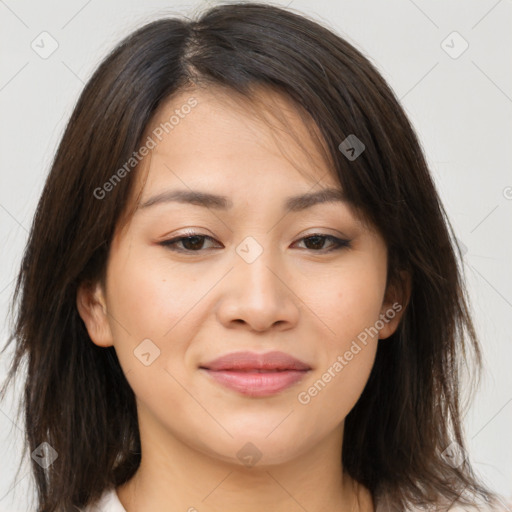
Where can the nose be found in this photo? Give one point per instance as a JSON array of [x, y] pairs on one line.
[[258, 296]]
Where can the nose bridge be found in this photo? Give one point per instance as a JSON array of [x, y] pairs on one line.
[[256, 259], [258, 295]]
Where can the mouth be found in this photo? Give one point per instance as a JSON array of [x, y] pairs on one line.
[[256, 375]]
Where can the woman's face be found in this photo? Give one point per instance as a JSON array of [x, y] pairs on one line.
[[263, 285]]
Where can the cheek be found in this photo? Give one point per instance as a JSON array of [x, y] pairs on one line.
[[149, 304], [349, 306], [348, 301], [146, 295], [334, 393], [346, 356]]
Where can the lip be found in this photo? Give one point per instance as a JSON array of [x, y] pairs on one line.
[[256, 375]]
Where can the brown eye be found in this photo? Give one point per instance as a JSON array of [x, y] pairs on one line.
[[190, 243], [195, 243], [316, 242]]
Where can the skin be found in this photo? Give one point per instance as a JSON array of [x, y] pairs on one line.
[[295, 297]]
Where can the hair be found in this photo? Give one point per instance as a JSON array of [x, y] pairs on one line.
[[76, 397]]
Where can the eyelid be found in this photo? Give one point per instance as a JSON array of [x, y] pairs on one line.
[[337, 242], [189, 234]]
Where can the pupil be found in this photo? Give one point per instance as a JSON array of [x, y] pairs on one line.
[[196, 242], [193, 241], [319, 242]]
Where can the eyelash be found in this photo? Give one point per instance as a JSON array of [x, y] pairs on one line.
[[338, 242]]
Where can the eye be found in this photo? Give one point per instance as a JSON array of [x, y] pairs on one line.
[[194, 242], [316, 241]]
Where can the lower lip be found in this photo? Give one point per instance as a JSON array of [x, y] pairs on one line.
[[257, 384]]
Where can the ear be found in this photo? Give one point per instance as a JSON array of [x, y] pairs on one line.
[[394, 305], [91, 305]]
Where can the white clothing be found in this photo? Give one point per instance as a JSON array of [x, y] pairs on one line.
[[109, 502]]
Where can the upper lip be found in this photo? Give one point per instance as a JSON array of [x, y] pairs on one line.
[[244, 361]]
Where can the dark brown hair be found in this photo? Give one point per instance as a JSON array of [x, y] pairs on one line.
[[76, 397]]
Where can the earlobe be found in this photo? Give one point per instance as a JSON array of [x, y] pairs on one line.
[[394, 306], [92, 308]]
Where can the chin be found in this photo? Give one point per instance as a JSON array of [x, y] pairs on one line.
[[254, 447]]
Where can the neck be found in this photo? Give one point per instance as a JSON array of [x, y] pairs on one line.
[[174, 477]]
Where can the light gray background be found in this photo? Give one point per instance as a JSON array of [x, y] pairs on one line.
[[461, 108]]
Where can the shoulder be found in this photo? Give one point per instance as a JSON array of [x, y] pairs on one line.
[[108, 502], [386, 505]]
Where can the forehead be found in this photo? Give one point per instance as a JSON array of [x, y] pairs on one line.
[[226, 135]]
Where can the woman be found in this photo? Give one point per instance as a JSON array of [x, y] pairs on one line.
[[240, 291]]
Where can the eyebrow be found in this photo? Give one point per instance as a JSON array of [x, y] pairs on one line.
[[218, 202]]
